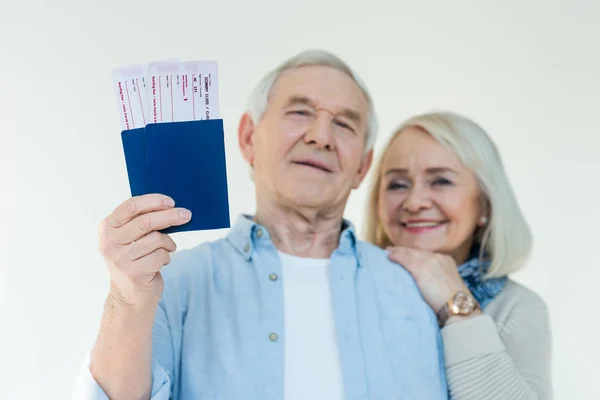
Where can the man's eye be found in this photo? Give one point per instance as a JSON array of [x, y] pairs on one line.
[[299, 112], [344, 125]]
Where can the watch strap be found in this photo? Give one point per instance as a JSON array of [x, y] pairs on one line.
[[443, 314]]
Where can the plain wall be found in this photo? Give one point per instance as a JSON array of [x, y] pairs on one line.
[[527, 71]]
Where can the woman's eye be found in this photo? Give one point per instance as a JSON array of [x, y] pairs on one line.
[[441, 182], [397, 185]]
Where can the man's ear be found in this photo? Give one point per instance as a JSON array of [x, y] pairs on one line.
[[364, 168], [246, 137]]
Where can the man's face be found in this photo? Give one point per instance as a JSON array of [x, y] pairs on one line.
[[308, 148]]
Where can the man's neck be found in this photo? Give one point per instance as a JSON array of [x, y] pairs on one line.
[[304, 233]]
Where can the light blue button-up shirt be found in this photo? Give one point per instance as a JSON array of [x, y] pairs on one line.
[[219, 328]]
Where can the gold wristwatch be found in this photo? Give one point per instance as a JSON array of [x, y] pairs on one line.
[[461, 303]]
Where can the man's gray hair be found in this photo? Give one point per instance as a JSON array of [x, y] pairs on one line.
[[259, 98]]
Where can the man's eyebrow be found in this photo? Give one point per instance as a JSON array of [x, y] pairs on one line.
[[300, 100], [351, 114], [303, 100]]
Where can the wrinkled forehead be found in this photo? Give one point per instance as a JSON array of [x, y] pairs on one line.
[[325, 87]]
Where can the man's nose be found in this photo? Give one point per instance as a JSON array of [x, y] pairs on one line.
[[320, 132]]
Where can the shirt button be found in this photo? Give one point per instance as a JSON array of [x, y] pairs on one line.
[[273, 277], [246, 248], [273, 337], [259, 233]]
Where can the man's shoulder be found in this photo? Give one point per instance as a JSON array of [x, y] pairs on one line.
[[196, 260], [371, 250], [376, 260], [196, 268], [395, 285]]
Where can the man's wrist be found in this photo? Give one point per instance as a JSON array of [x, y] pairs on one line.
[[139, 301], [118, 306]]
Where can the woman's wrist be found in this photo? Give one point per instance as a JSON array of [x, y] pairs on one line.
[[460, 318]]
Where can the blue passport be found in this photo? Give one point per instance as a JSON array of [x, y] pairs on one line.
[[183, 160]]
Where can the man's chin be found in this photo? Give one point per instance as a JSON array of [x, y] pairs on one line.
[[310, 196], [312, 200]]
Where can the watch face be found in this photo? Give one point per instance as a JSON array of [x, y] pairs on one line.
[[463, 303]]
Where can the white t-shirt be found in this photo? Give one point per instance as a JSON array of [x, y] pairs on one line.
[[312, 368]]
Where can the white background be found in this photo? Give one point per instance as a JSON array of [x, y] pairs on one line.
[[525, 70]]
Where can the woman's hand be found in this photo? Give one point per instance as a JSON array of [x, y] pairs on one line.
[[436, 275]]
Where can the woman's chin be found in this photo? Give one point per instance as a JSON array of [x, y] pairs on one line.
[[420, 244]]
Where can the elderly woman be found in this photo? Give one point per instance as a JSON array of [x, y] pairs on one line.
[[442, 205]]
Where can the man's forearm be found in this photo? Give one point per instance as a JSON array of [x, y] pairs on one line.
[[121, 361]]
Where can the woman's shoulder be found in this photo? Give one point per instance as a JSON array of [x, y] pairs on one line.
[[515, 292], [517, 308], [517, 304]]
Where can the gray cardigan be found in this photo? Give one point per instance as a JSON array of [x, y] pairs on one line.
[[504, 354]]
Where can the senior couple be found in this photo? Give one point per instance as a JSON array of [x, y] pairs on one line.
[[292, 303]]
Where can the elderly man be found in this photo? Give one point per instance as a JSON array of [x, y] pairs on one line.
[[290, 304]]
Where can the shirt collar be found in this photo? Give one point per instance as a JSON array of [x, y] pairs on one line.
[[245, 233]]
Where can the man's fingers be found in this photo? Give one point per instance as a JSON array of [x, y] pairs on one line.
[[151, 263], [148, 244], [153, 221], [136, 206]]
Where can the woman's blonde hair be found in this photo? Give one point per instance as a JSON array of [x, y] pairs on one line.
[[506, 238]]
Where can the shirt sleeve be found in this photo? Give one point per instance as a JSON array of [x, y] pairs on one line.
[[444, 391], [86, 387]]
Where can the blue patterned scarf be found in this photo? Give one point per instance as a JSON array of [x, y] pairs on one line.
[[472, 272]]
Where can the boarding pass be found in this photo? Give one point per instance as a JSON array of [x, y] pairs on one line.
[[168, 90]]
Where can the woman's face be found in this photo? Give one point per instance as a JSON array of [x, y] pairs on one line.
[[427, 198]]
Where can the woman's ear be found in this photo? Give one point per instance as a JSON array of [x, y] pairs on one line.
[[246, 137], [484, 212]]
